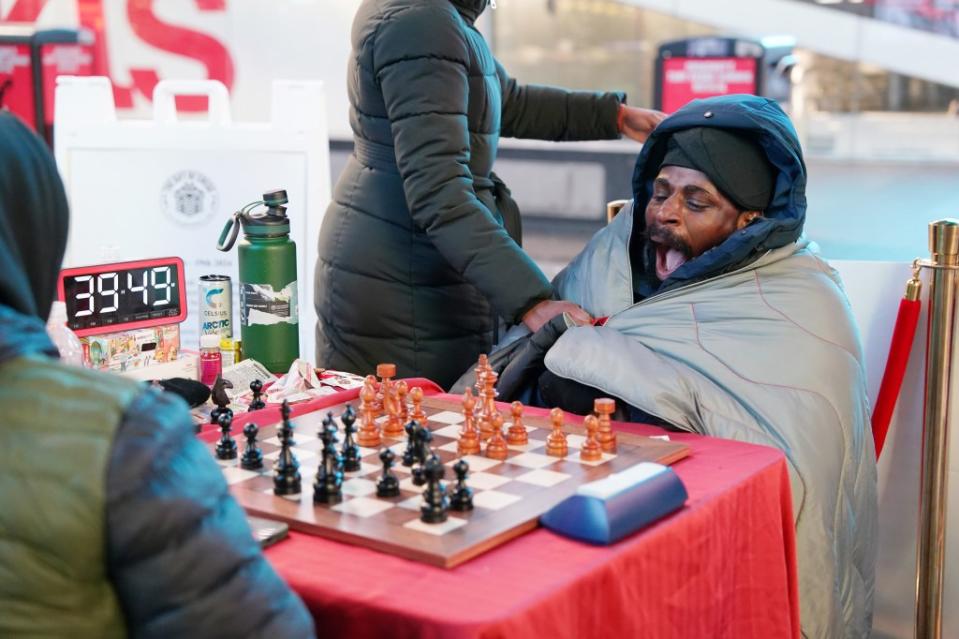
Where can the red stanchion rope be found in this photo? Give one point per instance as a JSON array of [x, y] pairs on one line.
[[903, 336]]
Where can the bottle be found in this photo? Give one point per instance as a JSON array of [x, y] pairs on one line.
[[211, 366], [269, 314], [227, 353], [66, 341]]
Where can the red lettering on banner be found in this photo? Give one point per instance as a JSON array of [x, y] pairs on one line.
[[173, 39], [180, 41], [26, 10]]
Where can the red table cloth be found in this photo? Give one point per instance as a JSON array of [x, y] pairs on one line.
[[722, 566]]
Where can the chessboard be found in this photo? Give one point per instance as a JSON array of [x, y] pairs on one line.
[[508, 495]]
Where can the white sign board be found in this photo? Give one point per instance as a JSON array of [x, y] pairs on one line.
[[161, 187]]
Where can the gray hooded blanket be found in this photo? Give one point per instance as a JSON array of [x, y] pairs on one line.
[[754, 341]]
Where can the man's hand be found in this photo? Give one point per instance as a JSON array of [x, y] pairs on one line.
[[639, 123], [548, 309]]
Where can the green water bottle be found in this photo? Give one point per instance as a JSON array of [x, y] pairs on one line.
[[269, 317]]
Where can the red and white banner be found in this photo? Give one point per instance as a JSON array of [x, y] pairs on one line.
[[245, 44], [686, 79]]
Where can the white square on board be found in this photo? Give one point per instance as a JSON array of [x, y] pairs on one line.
[[451, 523], [451, 447], [408, 485], [486, 481], [494, 499], [447, 417], [413, 503], [362, 506], [575, 441], [531, 460], [574, 457], [366, 452], [359, 487], [448, 431], [234, 475], [542, 477], [532, 445], [477, 463]]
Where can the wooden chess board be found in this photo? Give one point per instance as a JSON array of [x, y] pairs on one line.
[[509, 496]]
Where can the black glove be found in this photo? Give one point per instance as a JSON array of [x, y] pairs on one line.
[[525, 367]]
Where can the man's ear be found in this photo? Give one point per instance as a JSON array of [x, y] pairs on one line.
[[746, 217]]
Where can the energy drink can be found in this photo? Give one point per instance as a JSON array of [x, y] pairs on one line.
[[216, 305]]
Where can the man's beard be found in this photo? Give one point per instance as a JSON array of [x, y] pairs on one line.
[[669, 250]]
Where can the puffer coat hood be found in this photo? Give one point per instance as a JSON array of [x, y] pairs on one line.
[[470, 9], [782, 221]]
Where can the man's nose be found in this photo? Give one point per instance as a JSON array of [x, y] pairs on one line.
[[669, 212]]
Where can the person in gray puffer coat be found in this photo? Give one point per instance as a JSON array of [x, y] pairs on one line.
[[421, 238]]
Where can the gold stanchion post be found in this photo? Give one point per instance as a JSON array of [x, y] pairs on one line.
[[944, 245]]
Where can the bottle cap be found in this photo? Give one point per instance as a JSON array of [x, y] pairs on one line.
[[210, 340]]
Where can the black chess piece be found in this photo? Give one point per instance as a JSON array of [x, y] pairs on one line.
[[287, 424], [286, 470], [328, 485], [421, 452], [226, 447], [221, 399], [409, 455], [435, 505], [462, 498], [388, 485], [350, 451], [252, 456], [257, 387]]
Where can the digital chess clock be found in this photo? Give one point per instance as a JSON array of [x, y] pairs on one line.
[[127, 295]]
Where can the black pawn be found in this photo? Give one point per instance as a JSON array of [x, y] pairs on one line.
[[350, 451], [252, 456], [327, 487], [257, 387], [217, 412], [388, 485], [287, 424], [435, 505], [462, 498], [409, 455], [226, 447], [286, 470]]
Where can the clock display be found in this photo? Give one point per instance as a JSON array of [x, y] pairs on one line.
[[115, 297]]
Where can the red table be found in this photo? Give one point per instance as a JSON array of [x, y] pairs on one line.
[[723, 566]]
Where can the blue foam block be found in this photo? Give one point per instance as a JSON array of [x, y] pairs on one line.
[[605, 511]]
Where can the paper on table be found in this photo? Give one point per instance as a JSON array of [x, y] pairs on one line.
[[300, 383], [240, 375]]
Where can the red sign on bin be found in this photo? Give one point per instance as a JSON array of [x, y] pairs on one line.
[[686, 79]]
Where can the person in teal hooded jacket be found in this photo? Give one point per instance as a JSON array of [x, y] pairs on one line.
[[420, 247], [115, 520]]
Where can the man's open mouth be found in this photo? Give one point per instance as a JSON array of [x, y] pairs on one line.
[[667, 260]]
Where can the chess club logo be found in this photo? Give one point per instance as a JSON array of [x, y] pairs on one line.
[[189, 197]]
